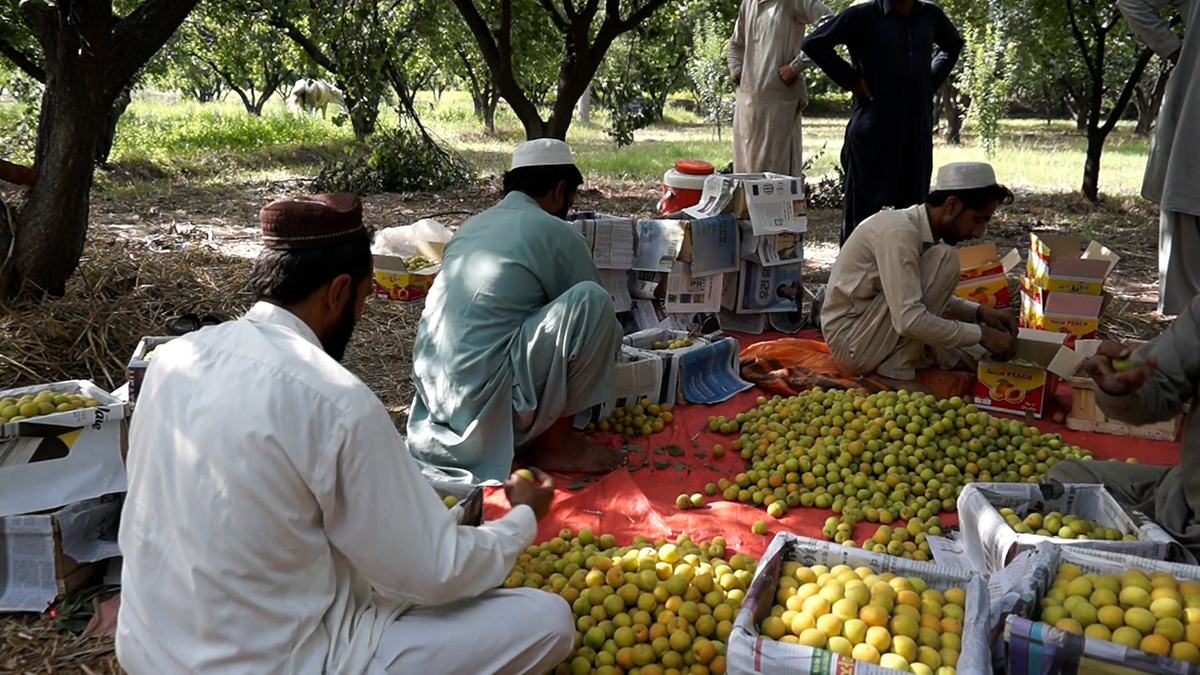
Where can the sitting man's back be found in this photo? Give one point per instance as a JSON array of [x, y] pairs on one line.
[[517, 335], [274, 521]]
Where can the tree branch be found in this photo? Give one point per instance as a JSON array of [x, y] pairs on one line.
[[1080, 39], [314, 52], [22, 60], [1127, 91], [557, 18], [137, 37]]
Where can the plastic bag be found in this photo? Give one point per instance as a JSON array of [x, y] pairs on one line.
[[403, 240]]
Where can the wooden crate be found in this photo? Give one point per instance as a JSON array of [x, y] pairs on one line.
[[1085, 415]]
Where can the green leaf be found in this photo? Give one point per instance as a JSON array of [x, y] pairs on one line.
[[674, 450], [661, 465]]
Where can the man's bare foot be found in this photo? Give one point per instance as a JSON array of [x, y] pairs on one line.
[[573, 453]]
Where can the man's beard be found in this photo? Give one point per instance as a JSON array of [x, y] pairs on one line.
[[337, 337]]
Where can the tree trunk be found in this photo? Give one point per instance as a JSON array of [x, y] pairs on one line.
[[1091, 165], [51, 225], [1149, 106], [108, 133], [364, 113], [585, 107], [953, 114]]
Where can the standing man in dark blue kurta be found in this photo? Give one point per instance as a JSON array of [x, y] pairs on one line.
[[894, 70]]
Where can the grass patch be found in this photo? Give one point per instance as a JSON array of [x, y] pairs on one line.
[[161, 136]]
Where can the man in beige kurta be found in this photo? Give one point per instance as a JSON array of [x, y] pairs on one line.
[[1173, 170], [767, 68], [1164, 375], [890, 306]]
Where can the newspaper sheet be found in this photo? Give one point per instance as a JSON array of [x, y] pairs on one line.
[[616, 282], [729, 291], [687, 293], [716, 195], [714, 245], [776, 205], [28, 575], [644, 285], [710, 373], [27, 566], [658, 244], [762, 288], [643, 314], [751, 324], [613, 244], [780, 249]]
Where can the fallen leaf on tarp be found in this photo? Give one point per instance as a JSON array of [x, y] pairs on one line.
[[680, 467], [710, 467], [575, 486], [661, 465], [658, 451], [674, 450], [701, 455]]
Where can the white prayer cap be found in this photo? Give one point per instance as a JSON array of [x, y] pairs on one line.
[[965, 176], [542, 152]]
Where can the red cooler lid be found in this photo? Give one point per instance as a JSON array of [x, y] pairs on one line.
[[694, 167]]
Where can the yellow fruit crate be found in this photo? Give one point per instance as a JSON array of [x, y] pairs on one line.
[[750, 653]]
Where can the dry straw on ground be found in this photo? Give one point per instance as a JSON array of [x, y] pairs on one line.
[[126, 289], [35, 644]]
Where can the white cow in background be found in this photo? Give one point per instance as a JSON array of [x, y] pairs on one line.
[[310, 95]]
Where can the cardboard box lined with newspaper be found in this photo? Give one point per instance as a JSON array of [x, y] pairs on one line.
[[45, 556], [1140, 616], [1075, 314], [961, 640], [1057, 264], [51, 460], [991, 541]]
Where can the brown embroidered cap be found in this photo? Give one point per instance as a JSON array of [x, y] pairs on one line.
[[312, 221]]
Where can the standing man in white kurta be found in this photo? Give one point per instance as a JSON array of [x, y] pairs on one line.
[[1173, 170], [275, 522], [767, 68]]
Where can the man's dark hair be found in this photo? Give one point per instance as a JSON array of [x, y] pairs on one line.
[[975, 199], [290, 276], [538, 181]]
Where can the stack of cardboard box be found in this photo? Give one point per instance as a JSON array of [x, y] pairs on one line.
[[1063, 288]]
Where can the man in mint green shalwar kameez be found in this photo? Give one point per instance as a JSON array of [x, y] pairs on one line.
[[517, 335]]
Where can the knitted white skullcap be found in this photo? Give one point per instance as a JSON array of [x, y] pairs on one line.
[[965, 176], [542, 152]]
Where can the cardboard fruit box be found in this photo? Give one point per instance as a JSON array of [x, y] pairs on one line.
[[1074, 314], [1026, 384], [991, 543], [1056, 264], [751, 654], [394, 281], [1036, 648], [983, 278], [143, 354]]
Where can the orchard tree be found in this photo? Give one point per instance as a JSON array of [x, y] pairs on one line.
[[86, 53], [1096, 64], [365, 45], [243, 54], [585, 34]]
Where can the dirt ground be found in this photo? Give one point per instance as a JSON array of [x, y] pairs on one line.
[[189, 248]]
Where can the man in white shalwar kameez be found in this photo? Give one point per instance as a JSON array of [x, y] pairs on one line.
[[767, 67], [275, 522], [517, 335], [1173, 170]]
